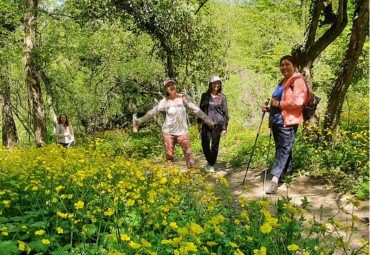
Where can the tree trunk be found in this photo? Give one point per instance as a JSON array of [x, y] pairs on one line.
[[31, 75], [337, 95], [49, 97], [9, 130]]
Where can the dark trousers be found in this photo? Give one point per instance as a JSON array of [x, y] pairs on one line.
[[211, 138], [66, 145], [284, 139]]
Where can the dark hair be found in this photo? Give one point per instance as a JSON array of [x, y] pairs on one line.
[[60, 119], [219, 92], [290, 59]]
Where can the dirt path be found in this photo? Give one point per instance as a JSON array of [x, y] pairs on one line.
[[335, 204]]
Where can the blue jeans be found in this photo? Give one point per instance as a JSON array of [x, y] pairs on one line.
[[284, 140]]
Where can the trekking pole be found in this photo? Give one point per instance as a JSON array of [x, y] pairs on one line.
[[255, 141], [267, 161]]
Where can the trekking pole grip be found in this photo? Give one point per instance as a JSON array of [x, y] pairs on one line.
[[267, 101]]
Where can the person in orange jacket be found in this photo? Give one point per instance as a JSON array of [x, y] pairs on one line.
[[285, 114]]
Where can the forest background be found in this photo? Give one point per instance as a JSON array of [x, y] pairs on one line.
[[101, 62]]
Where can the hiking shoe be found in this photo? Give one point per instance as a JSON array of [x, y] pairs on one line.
[[206, 168], [211, 169], [272, 188]]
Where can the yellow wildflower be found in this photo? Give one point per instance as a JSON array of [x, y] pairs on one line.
[[79, 205], [261, 251], [173, 225], [45, 241], [234, 245], [125, 237], [264, 204], [196, 229], [59, 188], [134, 245], [109, 212], [238, 252], [21, 245], [293, 247], [39, 232], [182, 231], [145, 243], [130, 202], [266, 228]]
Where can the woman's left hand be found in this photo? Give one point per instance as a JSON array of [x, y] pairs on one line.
[[274, 103], [223, 132]]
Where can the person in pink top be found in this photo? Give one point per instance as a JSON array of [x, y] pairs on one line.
[[285, 114]]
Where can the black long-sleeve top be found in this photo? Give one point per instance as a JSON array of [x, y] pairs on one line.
[[220, 108]]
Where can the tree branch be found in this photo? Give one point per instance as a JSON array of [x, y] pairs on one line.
[[332, 33], [200, 6], [315, 10]]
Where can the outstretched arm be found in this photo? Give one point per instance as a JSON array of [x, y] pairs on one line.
[[197, 111], [150, 114]]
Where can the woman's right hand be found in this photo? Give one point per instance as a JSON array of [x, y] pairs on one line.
[[265, 108], [200, 127], [211, 126]]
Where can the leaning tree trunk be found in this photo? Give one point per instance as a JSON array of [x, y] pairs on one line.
[[31, 75], [356, 43], [9, 130]]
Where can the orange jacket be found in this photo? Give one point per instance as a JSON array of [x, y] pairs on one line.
[[293, 100]]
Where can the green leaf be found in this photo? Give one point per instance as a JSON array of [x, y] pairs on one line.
[[38, 246], [8, 247], [288, 180], [67, 247], [59, 251], [39, 224], [169, 250]]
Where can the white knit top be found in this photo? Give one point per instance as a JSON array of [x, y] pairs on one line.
[[64, 134], [176, 118]]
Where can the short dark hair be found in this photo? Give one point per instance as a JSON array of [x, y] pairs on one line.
[[290, 59]]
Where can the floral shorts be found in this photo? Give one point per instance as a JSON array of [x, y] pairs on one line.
[[184, 142]]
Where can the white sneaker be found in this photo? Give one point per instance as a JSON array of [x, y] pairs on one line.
[[206, 168], [211, 169]]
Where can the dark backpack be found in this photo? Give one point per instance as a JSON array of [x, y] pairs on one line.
[[310, 104]]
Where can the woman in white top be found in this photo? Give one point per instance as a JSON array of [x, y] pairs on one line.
[[175, 127], [64, 132]]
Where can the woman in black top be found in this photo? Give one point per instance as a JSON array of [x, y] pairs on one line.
[[214, 104]]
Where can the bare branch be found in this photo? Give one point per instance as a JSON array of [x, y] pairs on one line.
[[200, 6]]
